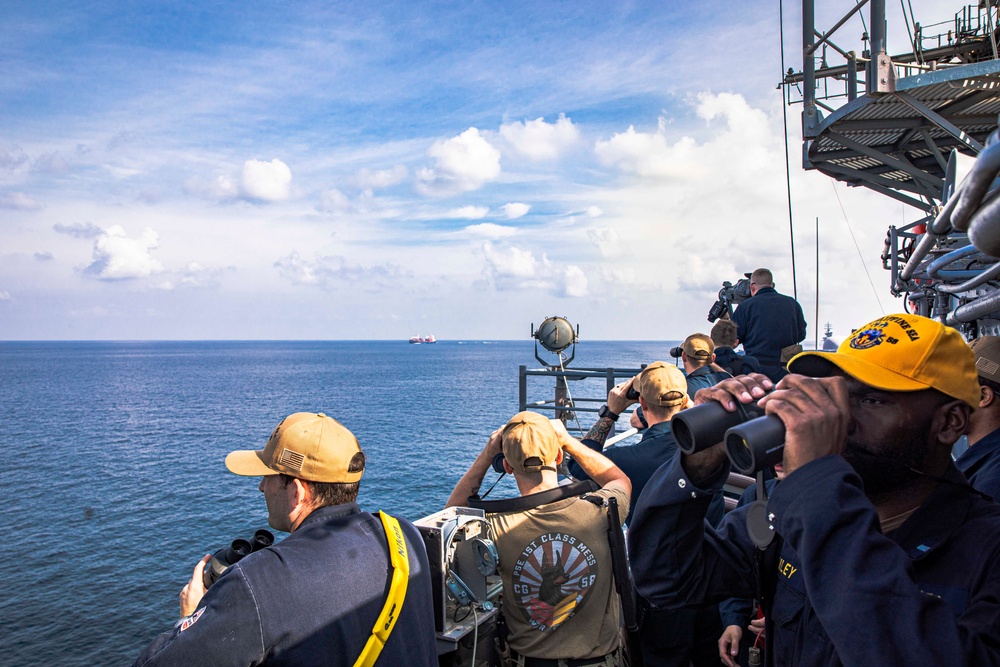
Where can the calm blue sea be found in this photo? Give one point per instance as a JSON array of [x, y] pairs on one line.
[[114, 483]]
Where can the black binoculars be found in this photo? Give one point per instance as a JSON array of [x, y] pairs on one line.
[[754, 441], [226, 556]]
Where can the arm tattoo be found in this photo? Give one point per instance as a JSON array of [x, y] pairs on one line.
[[599, 431]]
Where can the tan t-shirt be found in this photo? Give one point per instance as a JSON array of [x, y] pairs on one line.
[[559, 596]]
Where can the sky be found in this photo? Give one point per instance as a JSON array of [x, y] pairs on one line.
[[334, 170]]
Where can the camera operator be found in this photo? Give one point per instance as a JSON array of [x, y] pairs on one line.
[[697, 353], [315, 597], [555, 559], [726, 356], [884, 554], [769, 325]]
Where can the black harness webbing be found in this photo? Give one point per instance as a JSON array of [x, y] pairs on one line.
[[533, 500]]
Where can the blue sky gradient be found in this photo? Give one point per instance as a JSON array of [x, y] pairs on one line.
[[377, 170]]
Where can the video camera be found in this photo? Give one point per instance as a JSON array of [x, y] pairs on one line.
[[730, 294], [754, 441], [226, 556]]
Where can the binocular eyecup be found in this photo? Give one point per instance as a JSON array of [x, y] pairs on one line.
[[632, 394], [240, 548], [753, 441]]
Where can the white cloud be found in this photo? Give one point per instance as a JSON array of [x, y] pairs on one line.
[[467, 213], [12, 156], [607, 241], [221, 187], [80, 230], [623, 276], [19, 201], [574, 281], [194, 274], [462, 163], [4, 296], [52, 163], [327, 271], [266, 181], [367, 179], [297, 270], [117, 257], [515, 210], [334, 201], [489, 230], [594, 212], [538, 140], [512, 268], [649, 155]]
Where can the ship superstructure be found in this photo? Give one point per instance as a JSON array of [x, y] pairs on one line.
[[903, 125]]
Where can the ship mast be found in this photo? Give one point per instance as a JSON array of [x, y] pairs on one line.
[[920, 114]]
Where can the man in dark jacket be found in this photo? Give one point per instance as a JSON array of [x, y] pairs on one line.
[[724, 336], [980, 463], [318, 597], [768, 323], [697, 353], [884, 555], [673, 638]]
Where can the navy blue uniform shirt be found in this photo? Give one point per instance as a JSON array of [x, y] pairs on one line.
[[311, 599], [981, 465], [640, 461], [926, 594], [701, 378], [767, 322], [737, 611], [737, 364]]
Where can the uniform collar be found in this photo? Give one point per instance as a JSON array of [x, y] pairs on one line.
[[979, 451], [702, 370], [656, 430], [328, 512]]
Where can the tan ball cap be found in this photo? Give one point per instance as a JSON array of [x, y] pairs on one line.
[[530, 444], [698, 346], [662, 385], [305, 445]]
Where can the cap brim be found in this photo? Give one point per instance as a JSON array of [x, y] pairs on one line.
[[248, 463], [821, 364]]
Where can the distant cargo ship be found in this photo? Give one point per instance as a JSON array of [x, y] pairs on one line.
[[423, 339]]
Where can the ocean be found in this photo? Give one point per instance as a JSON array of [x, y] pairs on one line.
[[114, 484]]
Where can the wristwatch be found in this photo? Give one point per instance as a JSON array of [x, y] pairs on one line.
[[605, 411]]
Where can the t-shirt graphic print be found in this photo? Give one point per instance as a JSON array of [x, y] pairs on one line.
[[552, 578]]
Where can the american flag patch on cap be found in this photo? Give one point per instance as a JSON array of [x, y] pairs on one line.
[[291, 459]]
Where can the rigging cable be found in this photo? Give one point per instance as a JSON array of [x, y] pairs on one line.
[[911, 31], [784, 121], [856, 247], [917, 39], [569, 396]]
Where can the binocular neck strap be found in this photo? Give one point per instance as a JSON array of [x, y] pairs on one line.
[[399, 560]]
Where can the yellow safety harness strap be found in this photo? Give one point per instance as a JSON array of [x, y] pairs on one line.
[[399, 559]]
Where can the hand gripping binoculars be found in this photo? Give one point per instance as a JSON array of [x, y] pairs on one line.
[[226, 556], [754, 441]]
